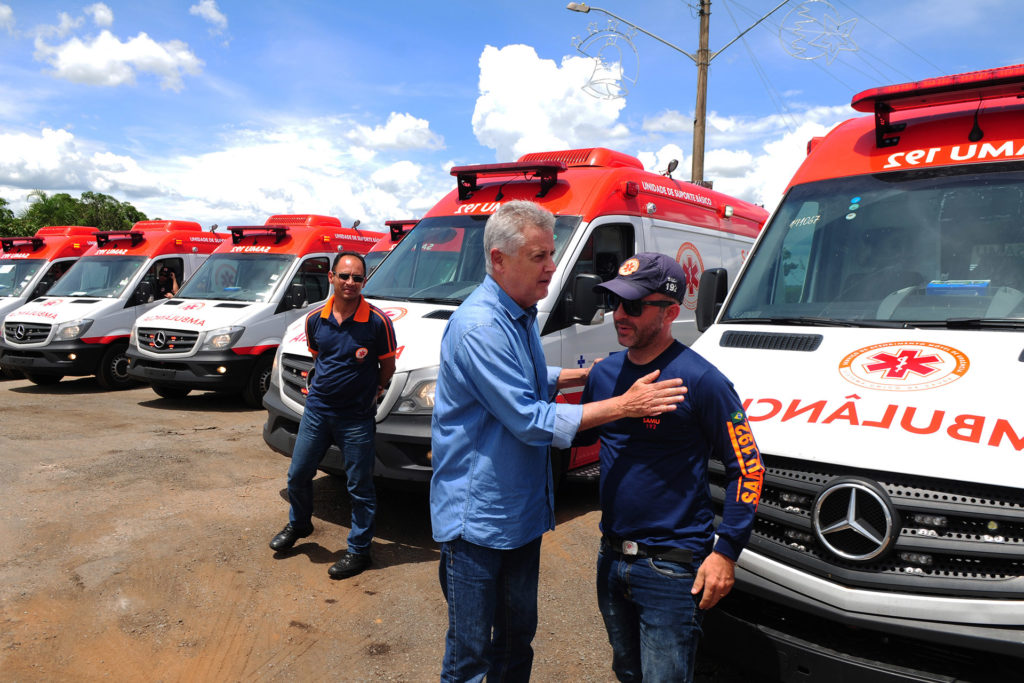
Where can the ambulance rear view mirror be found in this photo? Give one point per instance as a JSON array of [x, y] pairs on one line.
[[714, 283], [585, 302]]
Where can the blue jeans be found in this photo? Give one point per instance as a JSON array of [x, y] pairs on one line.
[[355, 439], [492, 610], [653, 623]]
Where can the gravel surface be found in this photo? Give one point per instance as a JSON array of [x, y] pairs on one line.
[[135, 536]]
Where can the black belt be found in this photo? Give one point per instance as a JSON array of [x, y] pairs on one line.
[[629, 548]]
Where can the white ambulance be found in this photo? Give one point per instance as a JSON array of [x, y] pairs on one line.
[[607, 208], [221, 330], [81, 326], [30, 265], [876, 336]]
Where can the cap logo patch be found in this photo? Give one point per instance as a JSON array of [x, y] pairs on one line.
[[629, 266]]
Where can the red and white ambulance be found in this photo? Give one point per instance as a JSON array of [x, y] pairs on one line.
[[82, 325], [385, 245], [221, 330], [30, 265], [876, 336], [607, 208]]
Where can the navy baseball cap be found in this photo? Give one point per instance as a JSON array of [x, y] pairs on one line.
[[645, 274]]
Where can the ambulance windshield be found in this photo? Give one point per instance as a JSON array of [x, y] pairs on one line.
[[941, 247], [101, 276], [442, 260], [238, 277], [16, 276]]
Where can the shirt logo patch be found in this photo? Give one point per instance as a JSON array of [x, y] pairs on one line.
[[737, 417], [361, 353], [652, 422], [629, 267]]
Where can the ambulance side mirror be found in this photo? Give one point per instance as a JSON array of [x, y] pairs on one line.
[[144, 293], [714, 284], [584, 301]]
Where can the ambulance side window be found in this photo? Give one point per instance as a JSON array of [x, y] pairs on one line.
[[308, 286], [606, 248]]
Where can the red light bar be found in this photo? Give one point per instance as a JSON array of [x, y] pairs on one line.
[[103, 238], [240, 231], [9, 243], [400, 227], [975, 86], [967, 87], [546, 171]]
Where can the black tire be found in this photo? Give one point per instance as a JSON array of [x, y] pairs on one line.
[[258, 382], [113, 370], [43, 380], [164, 391]]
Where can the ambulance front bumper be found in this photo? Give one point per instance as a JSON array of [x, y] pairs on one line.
[[70, 358], [220, 371]]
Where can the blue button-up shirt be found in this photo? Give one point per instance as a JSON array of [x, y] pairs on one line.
[[493, 423]]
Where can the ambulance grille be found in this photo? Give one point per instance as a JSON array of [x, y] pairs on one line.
[[26, 333], [773, 341], [294, 371], [161, 340], [950, 538]]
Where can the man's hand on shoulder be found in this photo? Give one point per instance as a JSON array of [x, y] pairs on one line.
[[648, 397], [716, 576]]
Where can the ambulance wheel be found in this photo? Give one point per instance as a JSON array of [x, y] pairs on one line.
[[259, 382], [164, 391], [113, 370], [43, 380]]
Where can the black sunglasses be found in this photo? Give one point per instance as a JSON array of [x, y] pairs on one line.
[[349, 276], [634, 307]]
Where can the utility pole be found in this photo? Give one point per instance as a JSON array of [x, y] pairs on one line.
[[702, 59], [700, 113]]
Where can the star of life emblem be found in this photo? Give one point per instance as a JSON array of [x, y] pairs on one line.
[[904, 366]]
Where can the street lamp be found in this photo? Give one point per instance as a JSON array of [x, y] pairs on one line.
[[702, 59]]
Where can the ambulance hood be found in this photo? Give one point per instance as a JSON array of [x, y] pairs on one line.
[[418, 329], [941, 403], [198, 316], [54, 310]]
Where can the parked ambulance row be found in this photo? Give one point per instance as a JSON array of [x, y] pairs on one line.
[[165, 302]]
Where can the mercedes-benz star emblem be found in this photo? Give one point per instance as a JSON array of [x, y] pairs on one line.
[[19, 332], [855, 519], [159, 340]]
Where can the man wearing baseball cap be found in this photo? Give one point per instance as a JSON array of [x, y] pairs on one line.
[[660, 566]]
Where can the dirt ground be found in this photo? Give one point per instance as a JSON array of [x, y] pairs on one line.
[[135, 531]]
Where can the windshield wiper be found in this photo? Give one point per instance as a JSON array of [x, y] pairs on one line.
[[449, 301], [815, 322], [973, 323]]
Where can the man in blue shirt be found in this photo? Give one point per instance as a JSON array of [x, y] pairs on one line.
[[660, 566], [493, 423], [353, 343]]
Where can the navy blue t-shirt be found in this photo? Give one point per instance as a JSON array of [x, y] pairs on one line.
[[654, 483], [346, 371]]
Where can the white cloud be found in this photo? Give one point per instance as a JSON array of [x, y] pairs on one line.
[[100, 13], [528, 104], [106, 61], [7, 18], [208, 11], [402, 131], [63, 29]]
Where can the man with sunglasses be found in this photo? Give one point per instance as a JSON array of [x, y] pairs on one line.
[[659, 565], [353, 343], [494, 421]]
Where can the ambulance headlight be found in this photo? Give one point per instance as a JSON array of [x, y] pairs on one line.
[[223, 338], [71, 330], [418, 396]]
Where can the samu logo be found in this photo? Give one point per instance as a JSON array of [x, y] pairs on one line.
[[652, 422], [904, 366]]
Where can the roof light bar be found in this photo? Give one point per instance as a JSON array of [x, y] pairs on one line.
[[546, 171], [975, 86], [240, 231], [9, 243], [103, 238]]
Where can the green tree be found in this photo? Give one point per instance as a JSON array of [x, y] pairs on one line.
[[103, 211], [8, 223], [44, 209]]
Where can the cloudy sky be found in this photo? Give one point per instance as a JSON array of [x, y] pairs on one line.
[[223, 111]]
